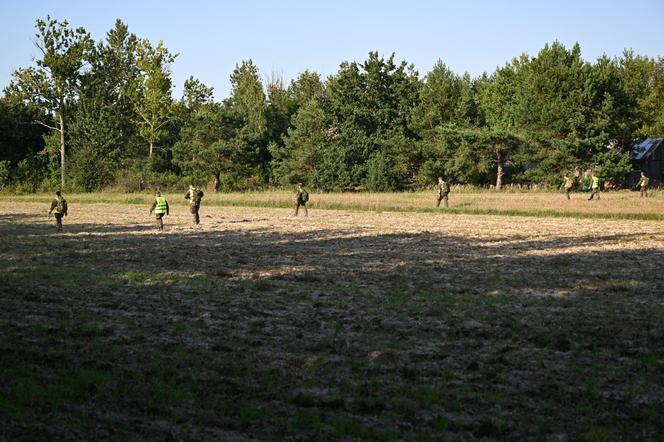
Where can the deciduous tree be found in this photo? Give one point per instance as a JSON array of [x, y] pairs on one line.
[[152, 92], [53, 83]]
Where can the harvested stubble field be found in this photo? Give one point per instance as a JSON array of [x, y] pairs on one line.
[[343, 325]]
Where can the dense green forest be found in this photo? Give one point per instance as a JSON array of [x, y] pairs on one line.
[[92, 115]]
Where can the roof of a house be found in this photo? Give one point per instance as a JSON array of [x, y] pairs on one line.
[[646, 148]]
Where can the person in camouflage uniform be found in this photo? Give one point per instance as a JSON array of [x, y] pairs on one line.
[[443, 191], [643, 184], [568, 183], [301, 198], [160, 208], [194, 195], [59, 209], [594, 186]]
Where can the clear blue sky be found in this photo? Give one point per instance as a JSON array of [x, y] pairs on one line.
[[287, 37]]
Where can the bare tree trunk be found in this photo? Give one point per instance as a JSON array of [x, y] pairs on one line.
[[151, 147], [62, 149], [499, 160], [215, 182]]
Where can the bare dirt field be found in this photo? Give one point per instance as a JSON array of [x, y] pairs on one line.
[[342, 325]]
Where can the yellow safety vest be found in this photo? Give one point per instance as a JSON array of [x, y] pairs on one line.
[[161, 205], [595, 184]]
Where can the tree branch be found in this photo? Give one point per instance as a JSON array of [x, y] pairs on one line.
[[39, 46], [163, 122], [45, 125]]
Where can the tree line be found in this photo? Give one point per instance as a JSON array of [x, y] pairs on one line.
[[91, 115]]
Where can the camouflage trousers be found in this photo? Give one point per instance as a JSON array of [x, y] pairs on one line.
[[644, 191], [568, 191], [593, 192], [193, 208], [160, 222], [442, 197], [58, 221], [297, 208]]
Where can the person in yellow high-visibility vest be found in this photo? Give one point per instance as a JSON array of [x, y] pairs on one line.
[[594, 186], [160, 208]]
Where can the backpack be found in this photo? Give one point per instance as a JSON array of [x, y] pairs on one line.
[[61, 205], [194, 195], [446, 187], [304, 196]]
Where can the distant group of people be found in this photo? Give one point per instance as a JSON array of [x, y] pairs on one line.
[[443, 188], [195, 195], [568, 184], [161, 208]]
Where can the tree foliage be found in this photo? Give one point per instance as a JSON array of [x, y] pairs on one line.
[[374, 124], [152, 93], [52, 84]]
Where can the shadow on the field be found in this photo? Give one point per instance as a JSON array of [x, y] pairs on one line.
[[20, 223], [106, 228], [197, 322], [15, 224], [430, 262], [17, 217]]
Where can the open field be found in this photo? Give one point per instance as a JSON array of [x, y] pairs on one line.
[[348, 324], [613, 205]]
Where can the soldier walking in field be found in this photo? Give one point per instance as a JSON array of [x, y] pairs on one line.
[[59, 209], [643, 184], [160, 207], [594, 186], [443, 191], [301, 198], [194, 195], [568, 183]]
